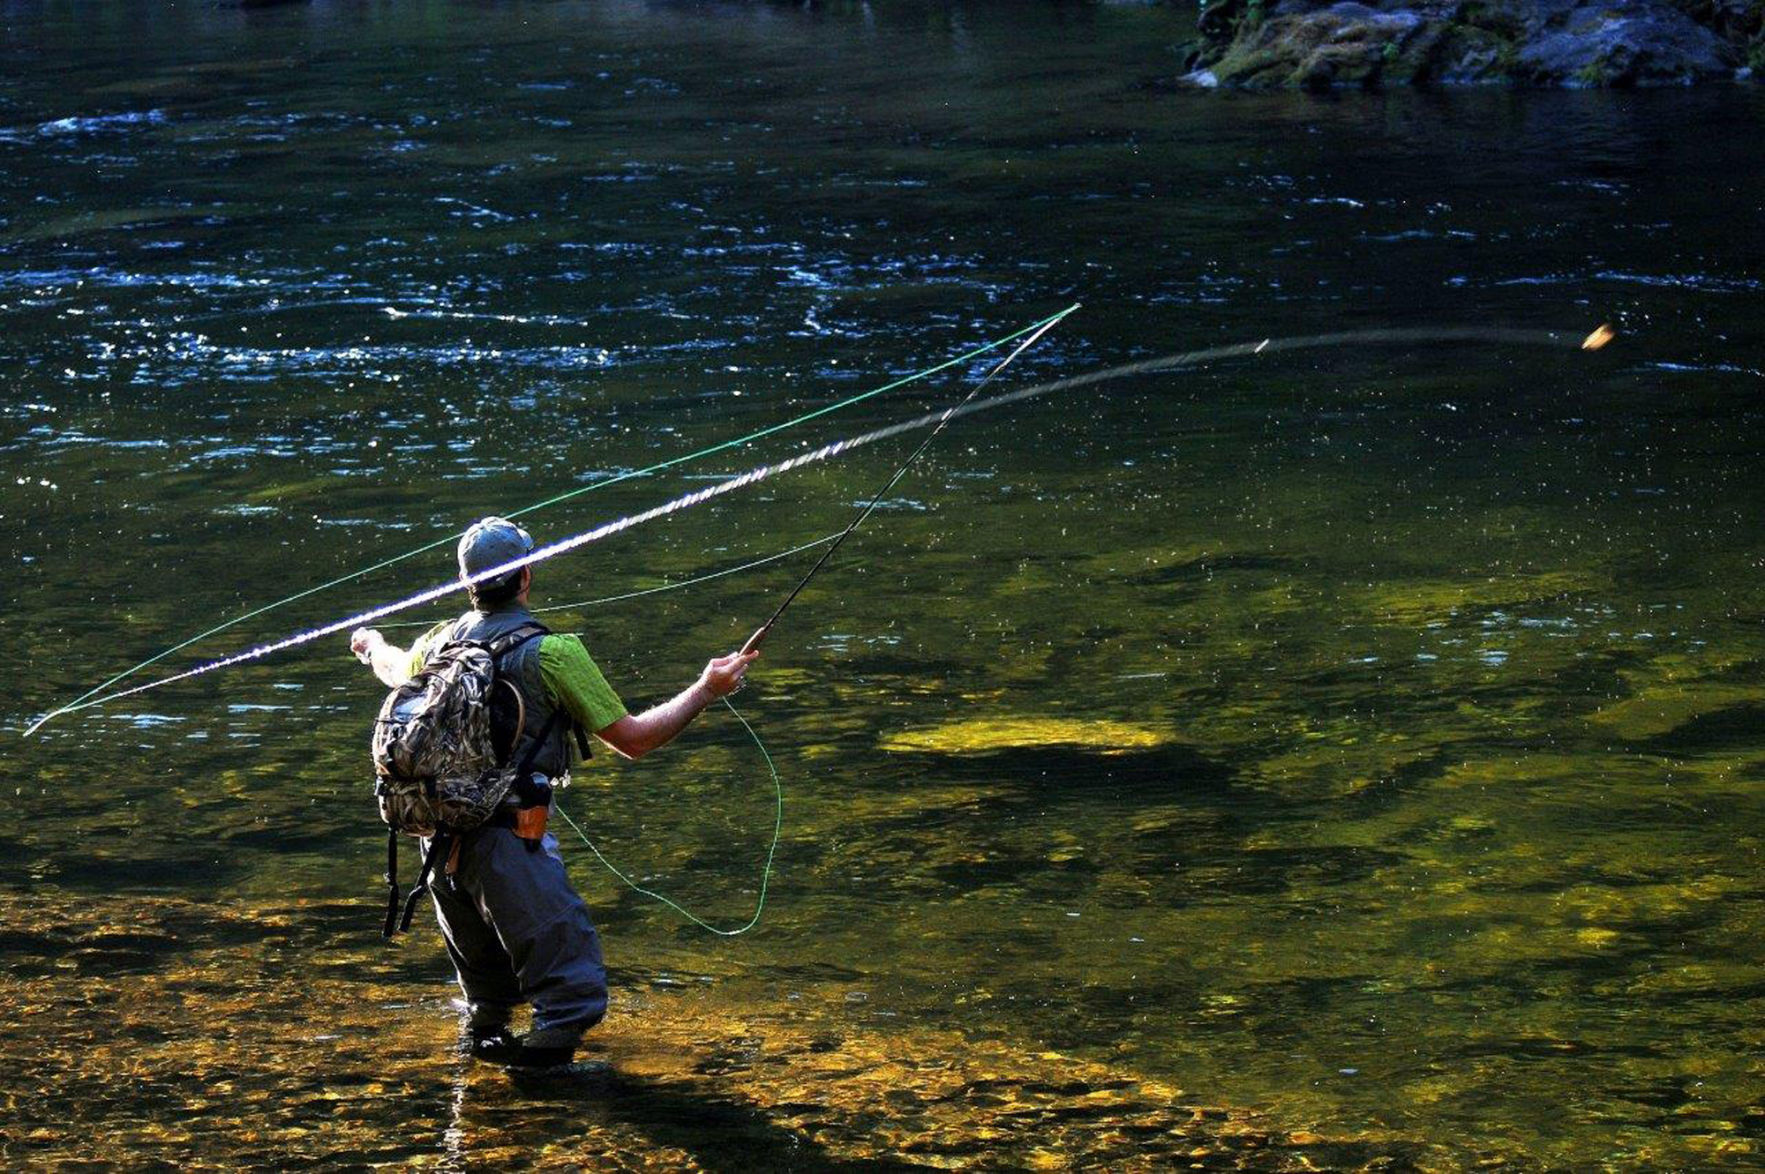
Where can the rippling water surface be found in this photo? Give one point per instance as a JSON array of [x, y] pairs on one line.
[[1335, 757]]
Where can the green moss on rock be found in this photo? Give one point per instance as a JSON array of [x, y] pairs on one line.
[[1300, 44]]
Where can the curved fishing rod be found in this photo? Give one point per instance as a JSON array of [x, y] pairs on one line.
[[659, 466], [760, 473], [759, 637]]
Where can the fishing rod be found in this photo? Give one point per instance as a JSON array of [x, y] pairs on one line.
[[555, 499], [1177, 362], [760, 633]]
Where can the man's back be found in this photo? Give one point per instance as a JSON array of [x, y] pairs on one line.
[[554, 671]]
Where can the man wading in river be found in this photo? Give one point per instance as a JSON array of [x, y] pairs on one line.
[[515, 928]]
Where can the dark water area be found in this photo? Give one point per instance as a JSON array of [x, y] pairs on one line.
[[1338, 757]]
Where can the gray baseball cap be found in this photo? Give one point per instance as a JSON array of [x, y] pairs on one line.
[[490, 542]]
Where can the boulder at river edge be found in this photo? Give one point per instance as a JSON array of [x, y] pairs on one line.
[[1616, 43]]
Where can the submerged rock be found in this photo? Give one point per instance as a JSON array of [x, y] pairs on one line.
[[987, 735], [1318, 46]]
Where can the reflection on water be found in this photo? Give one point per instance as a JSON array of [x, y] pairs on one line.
[[1364, 742]]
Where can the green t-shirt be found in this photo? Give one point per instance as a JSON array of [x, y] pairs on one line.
[[569, 673]]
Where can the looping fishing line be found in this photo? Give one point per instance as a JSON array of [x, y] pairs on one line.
[[937, 420], [825, 452], [759, 744], [660, 466]]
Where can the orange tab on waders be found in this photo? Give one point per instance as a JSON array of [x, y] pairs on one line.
[[530, 821]]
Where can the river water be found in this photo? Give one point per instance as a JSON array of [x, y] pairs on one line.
[[1334, 757]]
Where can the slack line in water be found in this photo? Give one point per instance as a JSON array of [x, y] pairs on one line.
[[753, 476]]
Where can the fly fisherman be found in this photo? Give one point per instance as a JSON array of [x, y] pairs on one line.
[[516, 930]]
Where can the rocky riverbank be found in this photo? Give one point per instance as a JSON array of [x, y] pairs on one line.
[[1311, 44]]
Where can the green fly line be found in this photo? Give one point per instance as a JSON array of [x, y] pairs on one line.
[[1166, 363], [555, 499], [1030, 334], [765, 871]]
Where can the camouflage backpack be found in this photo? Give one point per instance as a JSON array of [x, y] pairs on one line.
[[440, 761]]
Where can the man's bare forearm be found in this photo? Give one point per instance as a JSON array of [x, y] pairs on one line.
[[392, 665], [389, 662], [635, 735]]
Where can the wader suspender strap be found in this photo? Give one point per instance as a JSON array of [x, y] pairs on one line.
[[442, 841], [392, 891], [584, 749], [524, 772], [439, 846]]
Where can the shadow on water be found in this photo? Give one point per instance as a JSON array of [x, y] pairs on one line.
[[713, 1132], [1063, 774], [100, 872], [1735, 727]]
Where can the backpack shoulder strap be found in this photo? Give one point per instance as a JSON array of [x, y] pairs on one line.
[[502, 646], [435, 639], [499, 648], [509, 641]]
